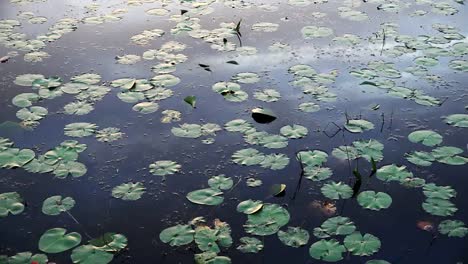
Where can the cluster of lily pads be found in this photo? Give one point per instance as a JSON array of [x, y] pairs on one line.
[[314, 84], [56, 240], [444, 154], [209, 240]]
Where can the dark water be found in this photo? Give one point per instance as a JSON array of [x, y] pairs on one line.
[[93, 48]]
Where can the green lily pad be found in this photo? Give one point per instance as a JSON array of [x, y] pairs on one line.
[[87, 78], [252, 182], [358, 125], [439, 207], [187, 131], [250, 245], [453, 228], [25, 99], [393, 172], [267, 221], [457, 120], [81, 129], [327, 250], [88, 254], [294, 237], [109, 134], [362, 245], [210, 240], [211, 258], [72, 168], [178, 235], [164, 167], [335, 226], [425, 137], [248, 157], [420, 158], [206, 196], [110, 242], [33, 113], [220, 182], [267, 95], [5, 144], [374, 201], [431, 190], [55, 205], [27, 258], [129, 191], [146, 107], [337, 190], [294, 131], [449, 155], [249, 206], [316, 173], [11, 203], [27, 79], [275, 161], [13, 158], [312, 157], [56, 240]]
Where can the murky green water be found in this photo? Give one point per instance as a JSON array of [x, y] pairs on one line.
[[331, 90]]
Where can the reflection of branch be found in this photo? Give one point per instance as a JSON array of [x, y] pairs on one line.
[[383, 41], [298, 186]]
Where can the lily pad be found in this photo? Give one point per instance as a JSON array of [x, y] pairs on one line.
[[453, 228], [374, 201], [358, 125], [294, 237], [294, 131], [177, 235], [362, 245], [88, 254], [327, 250], [56, 240], [425, 137], [13, 158], [11, 203], [337, 190], [129, 191], [267, 221], [250, 245], [206, 196], [55, 205], [249, 206], [220, 182], [164, 167]]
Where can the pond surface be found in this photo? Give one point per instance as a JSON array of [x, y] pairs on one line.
[[377, 90]]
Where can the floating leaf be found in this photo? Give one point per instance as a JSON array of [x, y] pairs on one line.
[[87, 254], [55, 205], [267, 221], [294, 237], [220, 182], [80, 129], [358, 125], [11, 203], [191, 100], [457, 120], [129, 191], [425, 137], [294, 131], [206, 196], [337, 190], [374, 201], [327, 250], [335, 226], [278, 189], [27, 258], [110, 242], [164, 167], [431, 190], [439, 207], [177, 235], [13, 158], [248, 157], [56, 240], [362, 245], [250, 245], [393, 173], [249, 206], [453, 228]]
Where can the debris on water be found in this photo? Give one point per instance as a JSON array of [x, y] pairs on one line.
[[4, 59]]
